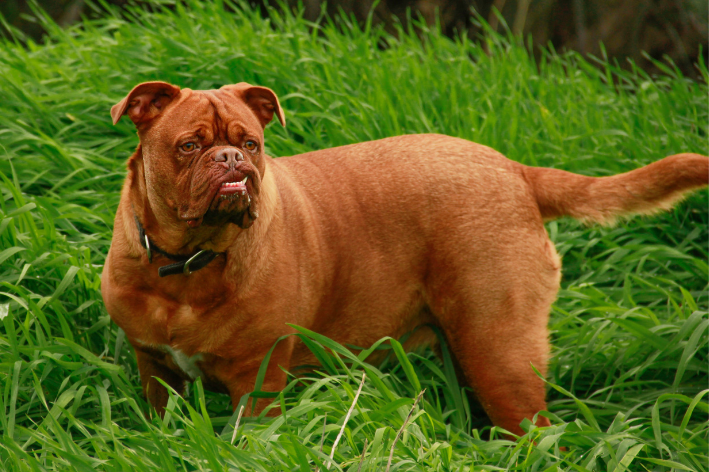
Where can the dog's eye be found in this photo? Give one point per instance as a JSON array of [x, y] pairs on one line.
[[250, 145], [188, 147]]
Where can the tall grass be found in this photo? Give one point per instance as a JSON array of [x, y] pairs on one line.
[[628, 376]]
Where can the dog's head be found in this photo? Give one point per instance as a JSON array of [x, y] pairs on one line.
[[202, 151]]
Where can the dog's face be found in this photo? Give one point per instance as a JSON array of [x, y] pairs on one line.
[[202, 150]]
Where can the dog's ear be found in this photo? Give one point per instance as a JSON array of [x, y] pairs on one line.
[[262, 100], [145, 102]]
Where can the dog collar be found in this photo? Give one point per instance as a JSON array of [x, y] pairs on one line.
[[184, 265]]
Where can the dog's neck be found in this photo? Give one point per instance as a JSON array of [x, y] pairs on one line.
[[173, 235]]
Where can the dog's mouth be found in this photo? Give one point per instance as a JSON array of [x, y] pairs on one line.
[[233, 189], [227, 197], [233, 199]]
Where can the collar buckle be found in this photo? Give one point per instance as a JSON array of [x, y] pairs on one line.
[[186, 269], [147, 249]]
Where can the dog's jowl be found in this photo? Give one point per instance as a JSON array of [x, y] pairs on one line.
[[217, 246]]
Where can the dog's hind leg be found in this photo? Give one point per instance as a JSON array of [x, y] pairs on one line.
[[495, 316]]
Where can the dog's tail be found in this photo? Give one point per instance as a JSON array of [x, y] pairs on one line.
[[654, 187]]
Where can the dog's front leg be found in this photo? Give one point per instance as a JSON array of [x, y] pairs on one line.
[[150, 367], [240, 380]]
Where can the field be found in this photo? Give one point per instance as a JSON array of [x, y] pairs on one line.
[[628, 374]]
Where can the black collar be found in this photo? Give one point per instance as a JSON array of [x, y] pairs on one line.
[[184, 265]]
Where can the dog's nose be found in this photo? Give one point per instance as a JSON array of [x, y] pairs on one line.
[[229, 155]]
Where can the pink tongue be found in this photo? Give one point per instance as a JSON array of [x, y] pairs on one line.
[[228, 190]]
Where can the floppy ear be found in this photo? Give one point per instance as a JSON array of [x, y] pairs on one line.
[[145, 102], [262, 100]]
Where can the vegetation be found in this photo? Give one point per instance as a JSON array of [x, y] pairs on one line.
[[628, 376]]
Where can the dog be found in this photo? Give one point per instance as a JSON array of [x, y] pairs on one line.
[[217, 247]]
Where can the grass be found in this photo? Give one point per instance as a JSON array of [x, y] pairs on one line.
[[628, 376]]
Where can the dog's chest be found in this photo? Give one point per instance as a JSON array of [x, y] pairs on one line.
[[175, 331]]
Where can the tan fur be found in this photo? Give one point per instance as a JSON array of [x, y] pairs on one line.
[[357, 243], [647, 190]]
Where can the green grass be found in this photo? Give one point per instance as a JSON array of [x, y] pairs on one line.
[[628, 376]]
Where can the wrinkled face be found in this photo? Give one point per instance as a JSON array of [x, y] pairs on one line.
[[203, 150]]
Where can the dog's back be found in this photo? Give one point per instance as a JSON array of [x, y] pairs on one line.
[[441, 170]]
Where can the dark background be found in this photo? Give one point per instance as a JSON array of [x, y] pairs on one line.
[[674, 29]]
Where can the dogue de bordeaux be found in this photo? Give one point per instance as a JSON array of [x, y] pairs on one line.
[[217, 246]]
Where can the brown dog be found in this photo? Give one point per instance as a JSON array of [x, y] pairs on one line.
[[217, 246]]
